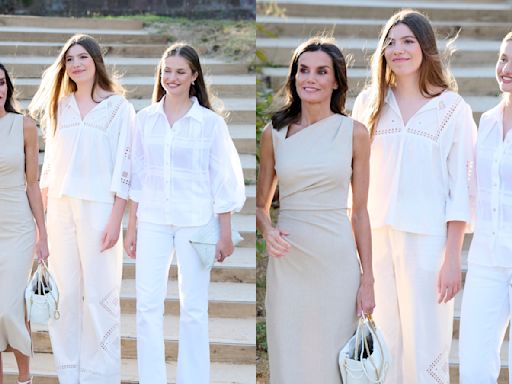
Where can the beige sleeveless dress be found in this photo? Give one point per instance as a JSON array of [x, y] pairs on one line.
[[311, 291], [17, 236]]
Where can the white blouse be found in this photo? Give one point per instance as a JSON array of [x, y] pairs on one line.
[[182, 174], [89, 159], [492, 240], [420, 172]]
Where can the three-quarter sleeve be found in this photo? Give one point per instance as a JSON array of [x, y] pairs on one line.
[[460, 165], [226, 175], [121, 176], [137, 160]]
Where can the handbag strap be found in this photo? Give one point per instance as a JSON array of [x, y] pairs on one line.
[[366, 321]]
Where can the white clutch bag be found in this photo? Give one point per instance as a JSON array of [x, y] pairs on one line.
[[205, 239], [42, 296], [365, 359]]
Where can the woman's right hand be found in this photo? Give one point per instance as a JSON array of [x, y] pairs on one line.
[[130, 242], [277, 245]]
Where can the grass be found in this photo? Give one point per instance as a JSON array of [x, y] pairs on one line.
[[233, 40]]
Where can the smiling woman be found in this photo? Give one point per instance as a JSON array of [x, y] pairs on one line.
[[83, 113], [315, 285]]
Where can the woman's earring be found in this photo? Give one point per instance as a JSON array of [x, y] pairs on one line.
[[193, 83]]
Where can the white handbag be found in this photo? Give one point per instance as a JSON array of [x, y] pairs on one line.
[[42, 296], [365, 359], [205, 239]]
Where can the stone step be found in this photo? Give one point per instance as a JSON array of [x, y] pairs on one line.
[[471, 81], [225, 86], [454, 363], [43, 369], [233, 300], [52, 49], [371, 9], [69, 22], [240, 267], [370, 28], [33, 66], [61, 35], [231, 340], [469, 52]]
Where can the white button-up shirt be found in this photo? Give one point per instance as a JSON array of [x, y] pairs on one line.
[[182, 174], [420, 171], [492, 240], [89, 159]]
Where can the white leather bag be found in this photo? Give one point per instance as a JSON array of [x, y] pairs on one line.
[[365, 359], [42, 296], [205, 239]]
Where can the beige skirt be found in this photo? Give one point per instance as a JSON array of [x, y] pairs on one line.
[[17, 238]]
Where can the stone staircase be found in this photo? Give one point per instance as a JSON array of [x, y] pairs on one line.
[[28, 45], [356, 25]]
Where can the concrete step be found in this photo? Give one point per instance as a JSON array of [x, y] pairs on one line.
[[225, 86], [231, 340], [371, 9], [33, 66], [293, 26], [471, 81], [454, 363], [68, 22], [240, 267], [233, 300], [469, 52], [127, 36], [43, 369], [52, 49]]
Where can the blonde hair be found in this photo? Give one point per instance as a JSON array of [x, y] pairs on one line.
[[56, 83], [432, 73]]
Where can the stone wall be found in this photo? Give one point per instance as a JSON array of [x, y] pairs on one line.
[[185, 8]]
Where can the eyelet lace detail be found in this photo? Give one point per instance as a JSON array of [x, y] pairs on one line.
[[438, 369]]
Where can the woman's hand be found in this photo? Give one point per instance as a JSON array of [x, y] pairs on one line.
[[224, 248], [449, 279], [110, 234], [41, 249], [365, 300], [130, 242], [277, 245]]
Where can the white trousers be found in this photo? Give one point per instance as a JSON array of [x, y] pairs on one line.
[[156, 245], [85, 340], [486, 310], [417, 329]]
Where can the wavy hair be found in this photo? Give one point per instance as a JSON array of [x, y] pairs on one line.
[[290, 112], [56, 83], [432, 72]]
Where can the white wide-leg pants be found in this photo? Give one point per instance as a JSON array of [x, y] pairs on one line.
[[417, 329], [156, 245], [85, 340], [486, 309]]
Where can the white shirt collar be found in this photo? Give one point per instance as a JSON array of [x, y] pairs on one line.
[[195, 111]]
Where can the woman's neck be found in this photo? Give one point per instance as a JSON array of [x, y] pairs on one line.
[[407, 86], [311, 113], [84, 91], [176, 107], [3, 112]]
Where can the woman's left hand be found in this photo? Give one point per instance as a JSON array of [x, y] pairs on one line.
[[448, 280], [110, 234], [224, 248], [365, 301], [42, 249]]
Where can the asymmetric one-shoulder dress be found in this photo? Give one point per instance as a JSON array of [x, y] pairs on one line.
[[17, 236], [311, 291]]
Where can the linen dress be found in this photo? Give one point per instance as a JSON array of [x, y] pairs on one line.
[[311, 291], [17, 236]]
